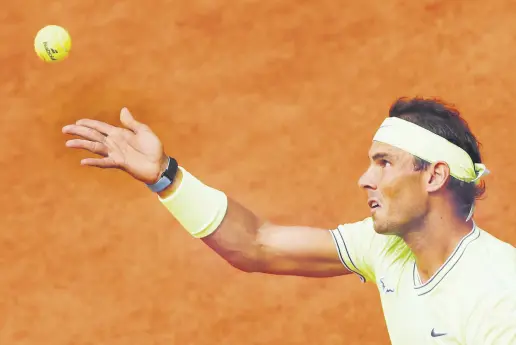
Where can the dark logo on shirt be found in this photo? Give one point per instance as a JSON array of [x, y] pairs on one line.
[[385, 289], [435, 334]]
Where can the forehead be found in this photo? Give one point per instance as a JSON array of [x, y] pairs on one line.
[[378, 148]]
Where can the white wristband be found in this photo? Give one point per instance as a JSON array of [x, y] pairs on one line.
[[198, 208]]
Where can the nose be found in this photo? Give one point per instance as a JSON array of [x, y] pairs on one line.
[[367, 180]]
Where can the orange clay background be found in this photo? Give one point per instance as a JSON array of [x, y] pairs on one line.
[[274, 102]]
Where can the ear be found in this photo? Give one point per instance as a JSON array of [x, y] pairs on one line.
[[437, 177]]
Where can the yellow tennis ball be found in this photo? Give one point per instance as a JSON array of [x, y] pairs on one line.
[[52, 43]]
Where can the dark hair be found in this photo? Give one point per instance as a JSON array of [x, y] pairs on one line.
[[444, 120]]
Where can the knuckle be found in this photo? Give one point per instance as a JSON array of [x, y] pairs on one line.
[[95, 147], [90, 132]]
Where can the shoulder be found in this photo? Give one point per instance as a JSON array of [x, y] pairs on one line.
[[492, 259], [362, 236], [492, 280], [361, 232]]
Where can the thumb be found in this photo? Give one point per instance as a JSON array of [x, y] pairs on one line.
[[129, 121]]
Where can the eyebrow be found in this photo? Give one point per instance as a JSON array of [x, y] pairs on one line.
[[381, 155]]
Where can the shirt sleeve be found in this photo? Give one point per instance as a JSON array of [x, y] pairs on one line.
[[360, 248], [493, 321]]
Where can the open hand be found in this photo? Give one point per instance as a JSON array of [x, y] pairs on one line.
[[134, 149]]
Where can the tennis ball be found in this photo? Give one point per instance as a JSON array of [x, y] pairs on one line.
[[52, 43]]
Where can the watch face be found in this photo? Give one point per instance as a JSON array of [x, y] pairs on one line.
[[171, 170]]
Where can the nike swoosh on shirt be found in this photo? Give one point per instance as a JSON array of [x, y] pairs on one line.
[[435, 334]]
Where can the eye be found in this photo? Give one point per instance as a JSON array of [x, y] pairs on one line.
[[384, 163]]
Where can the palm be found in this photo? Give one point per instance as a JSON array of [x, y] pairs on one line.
[[138, 154], [135, 149]]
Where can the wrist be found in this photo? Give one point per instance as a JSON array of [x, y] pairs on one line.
[[168, 191], [168, 172], [163, 165]]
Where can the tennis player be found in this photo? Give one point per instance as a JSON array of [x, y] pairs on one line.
[[442, 279]]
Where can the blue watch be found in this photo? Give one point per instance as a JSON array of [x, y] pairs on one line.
[[166, 178]]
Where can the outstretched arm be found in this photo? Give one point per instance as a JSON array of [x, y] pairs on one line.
[[243, 239], [253, 244]]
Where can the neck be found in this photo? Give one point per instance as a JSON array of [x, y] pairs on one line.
[[434, 239]]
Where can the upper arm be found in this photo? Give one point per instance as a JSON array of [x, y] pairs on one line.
[[350, 248], [298, 250]]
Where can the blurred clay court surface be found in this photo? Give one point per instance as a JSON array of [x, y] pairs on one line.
[[274, 102]]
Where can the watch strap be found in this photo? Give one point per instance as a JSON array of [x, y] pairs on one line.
[[166, 178]]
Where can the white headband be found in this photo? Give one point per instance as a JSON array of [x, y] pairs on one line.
[[430, 147]]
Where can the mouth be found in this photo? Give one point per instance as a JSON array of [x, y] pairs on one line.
[[373, 205]]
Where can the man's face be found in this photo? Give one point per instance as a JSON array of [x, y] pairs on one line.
[[396, 192]]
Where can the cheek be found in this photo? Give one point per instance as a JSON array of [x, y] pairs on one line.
[[402, 193], [391, 188]]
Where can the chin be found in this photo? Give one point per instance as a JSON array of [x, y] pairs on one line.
[[380, 228], [383, 227]]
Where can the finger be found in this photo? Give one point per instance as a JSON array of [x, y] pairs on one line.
[[130, 122], [84, 132], [99, 126], [92, 146], [104, 163]]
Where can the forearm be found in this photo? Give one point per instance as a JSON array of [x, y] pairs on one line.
[[235, 239]]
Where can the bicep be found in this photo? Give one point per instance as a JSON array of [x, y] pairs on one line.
[[298, 250]]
